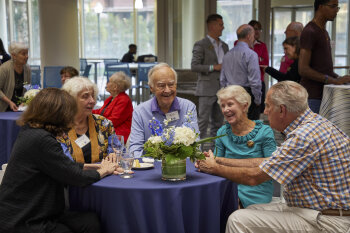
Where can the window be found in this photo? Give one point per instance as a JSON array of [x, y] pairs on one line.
[[110, 26]]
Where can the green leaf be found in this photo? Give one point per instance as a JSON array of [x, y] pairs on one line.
[[185, 151], [210, 139]]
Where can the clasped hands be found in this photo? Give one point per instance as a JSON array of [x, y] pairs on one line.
[[208, 165]]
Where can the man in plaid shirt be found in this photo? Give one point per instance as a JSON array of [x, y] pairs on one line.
[[313, 164]]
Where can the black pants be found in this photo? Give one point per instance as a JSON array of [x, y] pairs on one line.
[[254, 110], [78, 222]]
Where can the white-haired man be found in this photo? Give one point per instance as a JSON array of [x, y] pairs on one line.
[[162, 80], [313, 164]]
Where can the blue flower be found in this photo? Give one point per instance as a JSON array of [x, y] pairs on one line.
[[156, 127]]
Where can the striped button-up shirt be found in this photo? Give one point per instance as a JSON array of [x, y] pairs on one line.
[[313, 164]]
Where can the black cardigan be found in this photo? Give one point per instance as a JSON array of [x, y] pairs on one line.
[[292, 73], [31, 193]]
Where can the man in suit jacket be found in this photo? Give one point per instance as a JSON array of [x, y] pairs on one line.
[[207, 57]]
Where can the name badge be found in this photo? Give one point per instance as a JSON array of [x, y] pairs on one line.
[[82, 141], [172, 116]]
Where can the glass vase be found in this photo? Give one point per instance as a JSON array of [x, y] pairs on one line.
[[174, 171]]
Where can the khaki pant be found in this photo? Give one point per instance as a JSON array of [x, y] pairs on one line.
[[279, 218]]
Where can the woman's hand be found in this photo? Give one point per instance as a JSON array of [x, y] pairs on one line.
[[112, 157], [208, 165], [106, 168]]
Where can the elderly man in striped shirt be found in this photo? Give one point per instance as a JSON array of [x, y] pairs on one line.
[[313, 164]]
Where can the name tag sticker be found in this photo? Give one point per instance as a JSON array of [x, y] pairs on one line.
[[172, 116], [82, 141]]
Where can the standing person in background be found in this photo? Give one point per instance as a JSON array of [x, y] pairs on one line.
[[293, 29], [118, 107], [4, 57], [67, 73], [241, 67], [129, 56], [207, 58], [315, 60], [261, 49], [13, 74]]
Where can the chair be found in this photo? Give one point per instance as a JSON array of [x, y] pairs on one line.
[[52, 77], [109, 62], [36, 76], [142, 80], [117, 67], [87, 71], [83, 65]]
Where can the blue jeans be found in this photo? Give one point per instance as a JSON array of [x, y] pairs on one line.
[[314, 105]]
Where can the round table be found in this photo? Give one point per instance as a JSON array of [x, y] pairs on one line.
[[145, 203], [8, 134], [335, 106]]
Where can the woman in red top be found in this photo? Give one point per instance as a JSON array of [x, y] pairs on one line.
[[118, 107]]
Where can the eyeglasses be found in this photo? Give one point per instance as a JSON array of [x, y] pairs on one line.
[[333, 6], [162, 86]]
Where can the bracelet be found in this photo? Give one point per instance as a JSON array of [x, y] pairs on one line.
[[326, 79]]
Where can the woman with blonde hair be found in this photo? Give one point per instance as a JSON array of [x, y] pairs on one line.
[[118, 107], [245, 139]]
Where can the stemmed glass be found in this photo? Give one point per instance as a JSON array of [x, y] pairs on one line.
[[126, 162], [117, 144]]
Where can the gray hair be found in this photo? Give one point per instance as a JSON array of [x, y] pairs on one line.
[[236, 92], [16, 47], [158, 67], [122, 80], [77, 84], [243, 33], [290, 94], [296, 26]]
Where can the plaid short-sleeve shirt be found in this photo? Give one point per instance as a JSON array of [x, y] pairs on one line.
[[313, 164]]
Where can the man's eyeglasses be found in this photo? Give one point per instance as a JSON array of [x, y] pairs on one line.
[[162, 86], [333, 6]]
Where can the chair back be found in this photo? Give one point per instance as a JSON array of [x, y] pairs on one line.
[[83, 65], [87, 71], [142, 71], [36, 76], [112, 68], [52, 77]]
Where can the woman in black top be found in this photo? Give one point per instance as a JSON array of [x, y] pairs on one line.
[[31, 193], [291, 49], [5, 57]]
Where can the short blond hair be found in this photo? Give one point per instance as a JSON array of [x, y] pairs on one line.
[[16, 47], [122, 80], [236, 92], [290, 94], [77, 84]]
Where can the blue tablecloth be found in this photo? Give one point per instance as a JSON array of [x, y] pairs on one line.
[[145, 203], [8, 134]]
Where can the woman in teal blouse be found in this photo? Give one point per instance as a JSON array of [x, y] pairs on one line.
[[245, 139]]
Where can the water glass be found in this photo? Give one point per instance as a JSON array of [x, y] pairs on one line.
[[117, 144], [126, 162]]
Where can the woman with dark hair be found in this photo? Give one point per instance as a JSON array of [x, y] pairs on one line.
[[4, 57], [291, 49], [13, 74], [31, 192], [68, 72]]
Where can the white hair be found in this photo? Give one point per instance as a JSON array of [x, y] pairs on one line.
[[236, 92], [122, 80], [16, 47], [158, 67], [77, 84], [290, 94]]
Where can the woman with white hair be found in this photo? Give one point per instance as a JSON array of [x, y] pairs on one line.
[[118, 107], [87, 141], [245, 139], [13, 74]]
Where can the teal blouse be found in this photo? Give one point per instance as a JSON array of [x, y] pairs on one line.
[[232, 146]]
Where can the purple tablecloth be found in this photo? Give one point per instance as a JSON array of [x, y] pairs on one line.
[[147, 204], [8, 134]]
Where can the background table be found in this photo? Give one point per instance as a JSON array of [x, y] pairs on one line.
[[145, 203], [335, 106], [8, 134]]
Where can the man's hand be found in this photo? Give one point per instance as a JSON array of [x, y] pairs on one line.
[[106, 168], [341, 80], [217, 67], [112, 157]]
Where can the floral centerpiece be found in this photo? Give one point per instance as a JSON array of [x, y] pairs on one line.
[[173, 145], [31, 92]]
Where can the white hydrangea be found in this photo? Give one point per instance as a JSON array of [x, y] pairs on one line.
[[184, 135], [31, 93], [155, 139]]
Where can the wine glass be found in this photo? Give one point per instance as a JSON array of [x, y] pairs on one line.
[[117, 145], [126, 162]]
